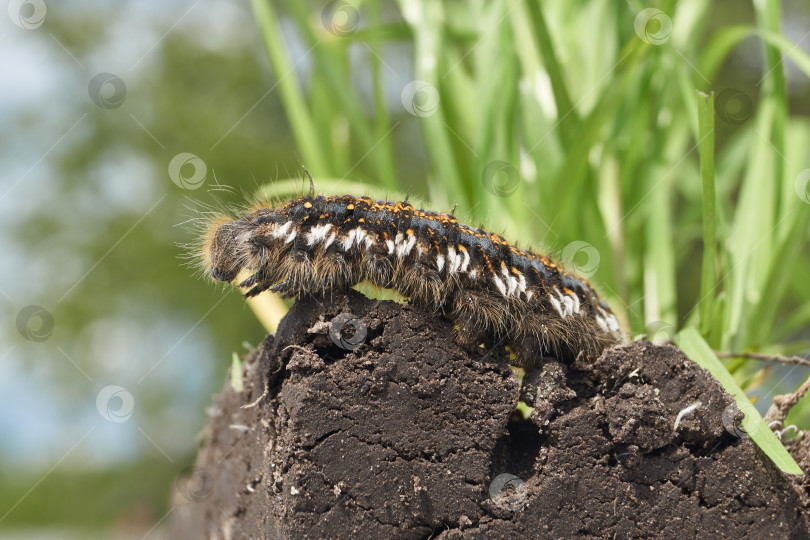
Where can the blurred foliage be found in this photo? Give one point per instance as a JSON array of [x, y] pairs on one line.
[[552, 122], [133, 496]]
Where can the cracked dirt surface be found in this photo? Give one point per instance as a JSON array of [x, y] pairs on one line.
[[409, 435]]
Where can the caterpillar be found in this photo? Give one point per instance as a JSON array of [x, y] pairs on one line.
[[489, 288]]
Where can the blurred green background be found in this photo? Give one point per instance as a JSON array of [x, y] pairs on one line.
[[569, 126]]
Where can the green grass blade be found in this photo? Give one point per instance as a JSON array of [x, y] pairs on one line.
[[727, 38], [690, 341], [336, 69], [659, 259], [769, 14], [570, 180], [237, 384], [426, 20], [709, 267], [382, 124], [565, 109], [301, 122]]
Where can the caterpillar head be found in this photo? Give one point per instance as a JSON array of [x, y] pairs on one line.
[[221, 250]]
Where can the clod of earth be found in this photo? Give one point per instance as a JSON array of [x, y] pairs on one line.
[[409, 435]]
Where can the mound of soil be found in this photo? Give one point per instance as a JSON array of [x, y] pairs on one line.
[[377, 424]]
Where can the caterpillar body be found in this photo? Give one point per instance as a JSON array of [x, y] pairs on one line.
[[490, 289]]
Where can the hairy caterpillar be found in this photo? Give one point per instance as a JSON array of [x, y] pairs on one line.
[[488, 287]]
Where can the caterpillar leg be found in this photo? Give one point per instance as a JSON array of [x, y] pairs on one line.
[[469, 333], [379, 270], [258, 289], [333, 271], [529, 351], [478, 314], [257, 283], [422, 282], [286, 288]]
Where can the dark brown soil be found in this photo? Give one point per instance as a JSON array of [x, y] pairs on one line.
[[401, 433]]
